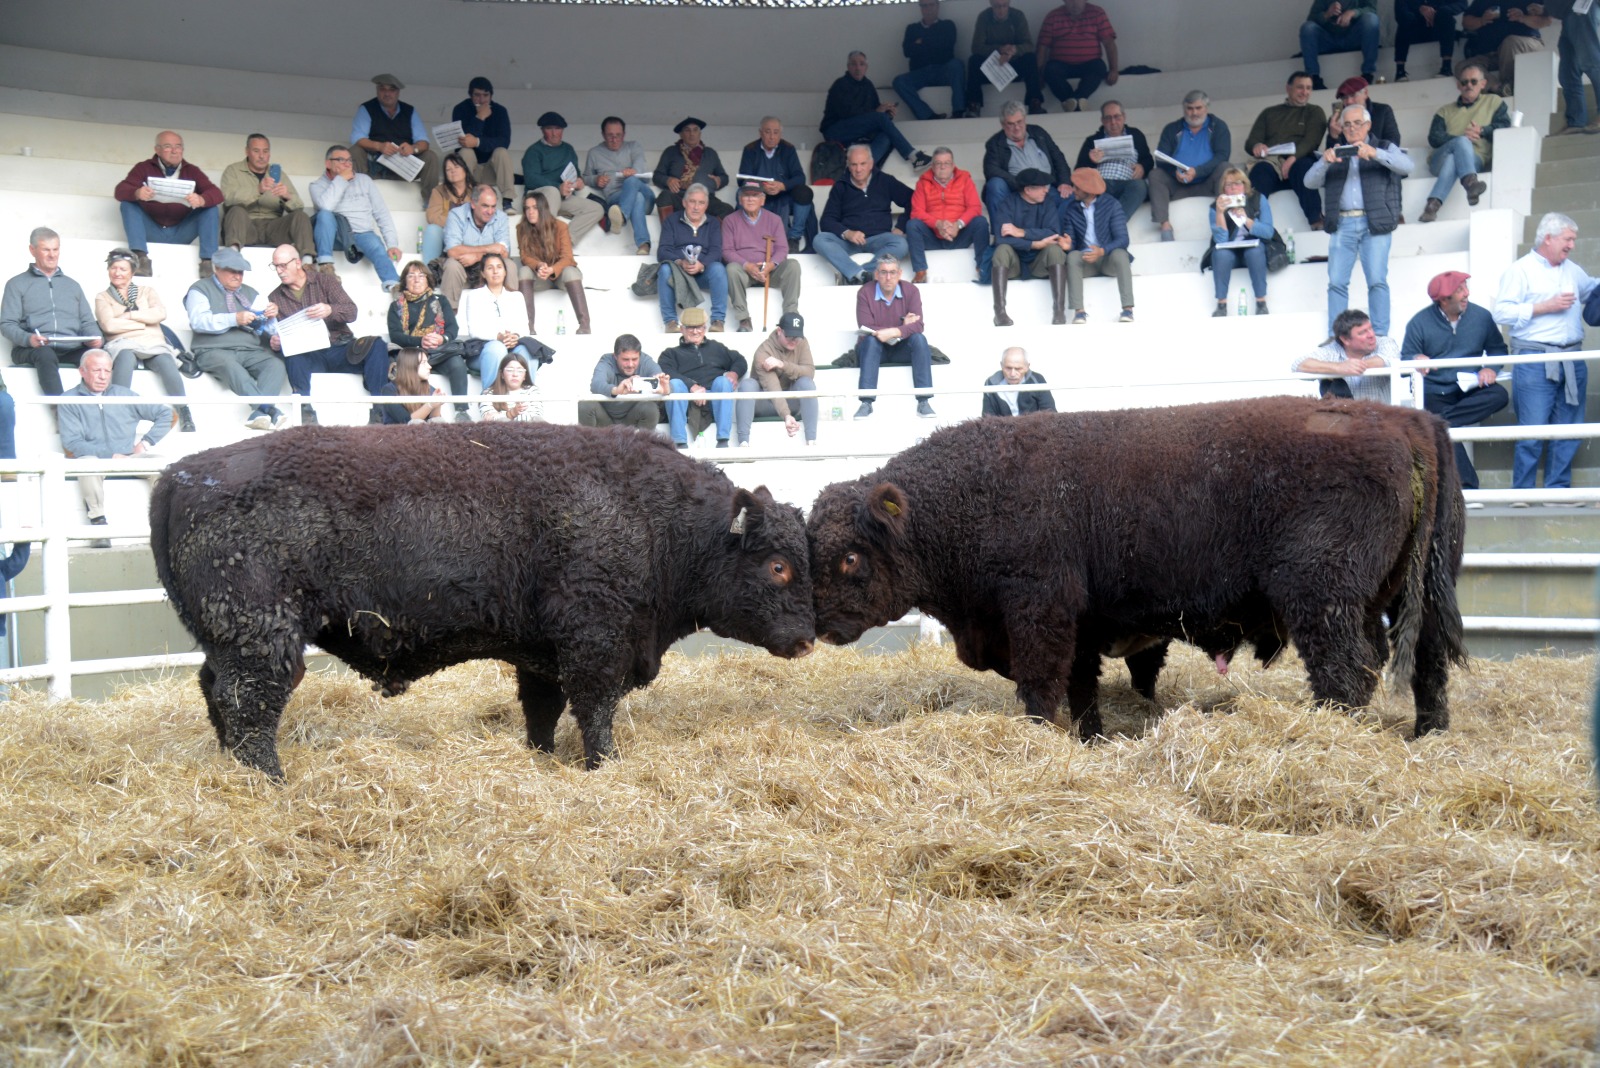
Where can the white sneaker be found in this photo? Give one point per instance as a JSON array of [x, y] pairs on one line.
[[614, 216], [259, 422]]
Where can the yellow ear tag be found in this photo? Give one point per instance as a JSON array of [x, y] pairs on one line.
[[891, 507]]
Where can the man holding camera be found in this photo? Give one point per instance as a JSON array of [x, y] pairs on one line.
[[625, 371]]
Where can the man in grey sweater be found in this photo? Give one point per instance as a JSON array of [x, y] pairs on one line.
[[617, 169], [106, 430], [351, 215]]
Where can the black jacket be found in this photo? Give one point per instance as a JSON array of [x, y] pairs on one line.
[[1037, 401], [997, 158]]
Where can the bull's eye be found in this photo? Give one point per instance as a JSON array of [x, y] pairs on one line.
[[780, 572], [849, 563]]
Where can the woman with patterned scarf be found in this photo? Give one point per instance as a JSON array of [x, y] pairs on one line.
[[130, 317], [686, 163], [420, 318]]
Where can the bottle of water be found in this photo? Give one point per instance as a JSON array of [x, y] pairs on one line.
[[1288, 243], [1244, 304], [561, 321], [419, 240]]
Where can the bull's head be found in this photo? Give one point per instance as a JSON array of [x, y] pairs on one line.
[[765, 596], [861, 563]]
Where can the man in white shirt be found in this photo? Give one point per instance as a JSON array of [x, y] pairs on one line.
[[1354, 349]]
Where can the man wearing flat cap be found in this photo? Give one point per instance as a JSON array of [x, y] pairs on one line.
[[1028, 237], [386, 126], [690, 162], [550, 166], [700, 367], [486, 139], [1094, 222], [1451, 328]]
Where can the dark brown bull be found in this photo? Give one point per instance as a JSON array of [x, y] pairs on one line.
[[576, 555], [1046, 541]]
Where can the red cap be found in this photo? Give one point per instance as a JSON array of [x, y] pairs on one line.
[[1350, 86], [1445, 284]]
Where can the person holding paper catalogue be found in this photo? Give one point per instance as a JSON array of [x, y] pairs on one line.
[[384, 126], [1200, 143], [1126, 173], [775, 161], [44, 314], [228, 319], [550, 166], [1284, 138], [1000, 29], [154, 210], [323, 300], [486, 139], [1243, 219]]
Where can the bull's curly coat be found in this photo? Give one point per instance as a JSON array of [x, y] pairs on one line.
[[577, 555], [1046, 541]]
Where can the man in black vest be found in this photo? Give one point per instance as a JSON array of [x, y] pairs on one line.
[[384, 126]]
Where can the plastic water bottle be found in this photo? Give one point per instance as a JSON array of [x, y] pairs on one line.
[[419, 240], [1244, 303], [838, 412], [561, 321], [1288, 243]]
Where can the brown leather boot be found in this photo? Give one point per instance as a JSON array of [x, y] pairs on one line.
[[528, 289], [1058, 295], [580, 305], [997, 283], [1430, 211]]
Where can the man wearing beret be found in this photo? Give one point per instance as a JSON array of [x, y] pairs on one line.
[[1452, 329], [550, 166], [384, 126], [690, 162], [1098, 230]]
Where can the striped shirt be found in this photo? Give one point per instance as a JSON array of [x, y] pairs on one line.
[[1068, 38]]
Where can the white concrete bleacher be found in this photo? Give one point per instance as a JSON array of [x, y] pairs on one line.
[[81, 146]]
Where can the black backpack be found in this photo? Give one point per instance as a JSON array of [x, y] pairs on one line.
[[827, 163]]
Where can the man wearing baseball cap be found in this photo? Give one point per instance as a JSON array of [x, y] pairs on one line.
[[782, 361], [1451, 328], [550, 166], [385, 126]]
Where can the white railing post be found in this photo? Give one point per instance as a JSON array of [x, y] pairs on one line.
[[55, 505]]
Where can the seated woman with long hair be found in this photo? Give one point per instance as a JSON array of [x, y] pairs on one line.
[[545, 248], [130, 318], [1233, 223], [494, 320], [420, 318], [453, 190], [515, 397], [410, 379]]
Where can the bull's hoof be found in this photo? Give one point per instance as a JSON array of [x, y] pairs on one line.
[[392, 687], [1090, 729], [1427, 723]]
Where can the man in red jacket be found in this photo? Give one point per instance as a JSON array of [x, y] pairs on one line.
[[168, 216], [947, 213]]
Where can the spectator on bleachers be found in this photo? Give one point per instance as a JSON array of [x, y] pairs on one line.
[[853, 114], [169, 221], [420, 318], [42, 303], [385, 126], [260, 205], [1422, 21], [1354, 348], [1497, 34], [930, 46], [1018, 146], [545, 170], [228, 320], [486, 139], [889, 312], [859, 217], [696, 365], [1098, 232], [691, 261], [130, 318], [789, 196], [1071, 40], [1452, 328], [1361, 207], [1540, 304], [756, 254], [1001, 29], [1014, 371], [1579, 52], [495, 316], [352, 215], [616, 169], [471, 232], [107, 431], [1354, 91], [544, 249], [1462, 139], [454, 190], [512, 397], [1233, 222], [410, 379], [783, 361], [1201, 142], [1125, 178], [947, 214], [624, 370], [321, 296], [1029, 236], [1298, 122], [1341, 26], [688, 162]]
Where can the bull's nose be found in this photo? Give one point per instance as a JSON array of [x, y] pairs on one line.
[[802, 648]]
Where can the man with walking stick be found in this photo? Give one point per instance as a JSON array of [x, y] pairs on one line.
[[756, 251]]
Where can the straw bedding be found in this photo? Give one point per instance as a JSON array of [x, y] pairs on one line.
[[846, 860]]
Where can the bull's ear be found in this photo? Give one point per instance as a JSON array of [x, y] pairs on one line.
[[887, 506], [747, 510]]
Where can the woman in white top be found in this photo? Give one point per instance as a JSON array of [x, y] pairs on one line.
[[130, 317], [495, 316], [513, 396]]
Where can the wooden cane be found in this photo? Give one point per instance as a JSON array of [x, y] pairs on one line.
[[766, 283]]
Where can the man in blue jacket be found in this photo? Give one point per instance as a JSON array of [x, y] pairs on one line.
[[930, 45], [775, 160], [1027, 235], [1094, 222], [859, 218], [486, 139]]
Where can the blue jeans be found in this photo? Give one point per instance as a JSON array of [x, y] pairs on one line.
[[749, 409], [432, 243], [8, 426], [873, 126], [953, 74], [995, 191], [1361, 34], [837, 251], [871, 353], [1254, 260], [374, 370], [634, 197], [794, 215], [202, 223], [714, 278], [330, 231], [1130, 193], [920, 236], [1539, 402], [678, 410], [1058, 75], [1579, 49], [1265, 178], [1350, 240], [1451, 161], [489, 361]]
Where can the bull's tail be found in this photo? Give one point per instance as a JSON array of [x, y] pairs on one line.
[[1445, 549], [1427, 596]]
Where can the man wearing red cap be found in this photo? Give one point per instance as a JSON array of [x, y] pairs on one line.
[[1297, 122], [1452, 329]]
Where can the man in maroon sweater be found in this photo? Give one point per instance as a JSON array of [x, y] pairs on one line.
[[889, 313], [149, 215], [321, 296]]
